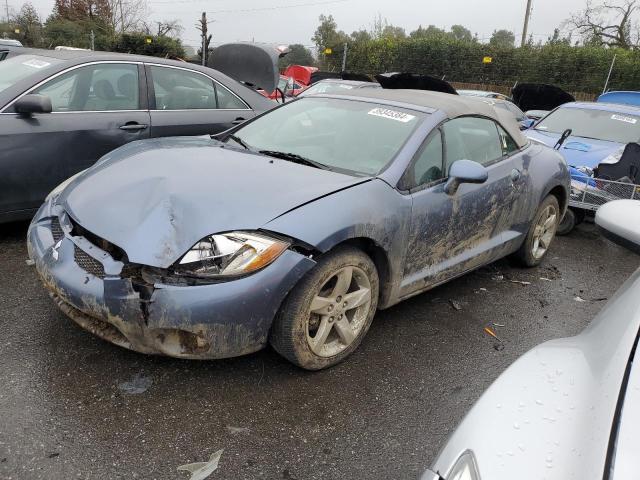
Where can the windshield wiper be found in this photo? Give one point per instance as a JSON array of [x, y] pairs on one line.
[[240, 142], [295, 158]]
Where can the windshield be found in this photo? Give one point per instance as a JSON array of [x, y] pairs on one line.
[[598, 124], [20, 67], [345, 135]]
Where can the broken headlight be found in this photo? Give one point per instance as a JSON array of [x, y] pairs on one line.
[[230, 254]]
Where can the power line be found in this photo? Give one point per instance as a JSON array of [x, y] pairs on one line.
[[248, 10]]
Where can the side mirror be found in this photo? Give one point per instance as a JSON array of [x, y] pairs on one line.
[[464, 171], [616, 220], [33, 104]]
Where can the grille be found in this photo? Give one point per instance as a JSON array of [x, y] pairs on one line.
[[56, 230], [88, 263]]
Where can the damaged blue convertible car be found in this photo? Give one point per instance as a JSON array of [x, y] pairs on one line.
[[295, 227]]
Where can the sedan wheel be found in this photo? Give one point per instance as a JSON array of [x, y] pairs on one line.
[[327, 314]]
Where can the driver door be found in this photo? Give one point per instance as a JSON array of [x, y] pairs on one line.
[[452, 234]]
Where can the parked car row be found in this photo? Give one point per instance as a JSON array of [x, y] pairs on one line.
[[293, 225]]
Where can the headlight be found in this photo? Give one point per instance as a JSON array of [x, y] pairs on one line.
[[465, 468], [56, 191], [230, 254]]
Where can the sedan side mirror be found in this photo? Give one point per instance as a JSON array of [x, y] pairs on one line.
[[617, 220], [33, 103], [464, 171]]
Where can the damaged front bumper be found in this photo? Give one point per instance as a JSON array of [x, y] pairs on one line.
[[218, 320]]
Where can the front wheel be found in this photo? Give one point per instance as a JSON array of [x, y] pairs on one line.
[[541, 233], [326, 316]]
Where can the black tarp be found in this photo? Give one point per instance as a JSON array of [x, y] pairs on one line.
[[414, 81], [539, 96]]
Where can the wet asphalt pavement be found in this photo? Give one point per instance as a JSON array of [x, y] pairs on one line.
[[73, 406]]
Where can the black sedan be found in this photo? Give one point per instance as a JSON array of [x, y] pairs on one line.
[[60, 111]]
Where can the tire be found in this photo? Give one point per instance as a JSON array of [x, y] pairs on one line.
[[543, 227], [567, 224], [326, 336]]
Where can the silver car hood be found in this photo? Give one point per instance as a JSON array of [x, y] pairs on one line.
[[550, 414], [156, 198]]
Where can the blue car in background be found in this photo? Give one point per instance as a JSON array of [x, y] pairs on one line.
[[628, 98], [598, 130]]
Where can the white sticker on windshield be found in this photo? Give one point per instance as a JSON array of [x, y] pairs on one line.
[[392, 115], [35, 63], [348, 87], [622, 118]]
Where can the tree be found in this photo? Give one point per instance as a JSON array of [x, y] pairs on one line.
[[328, 36], [298, 55], [360, 36], [30, 26], [558, 39], [462, 34], [609, 24], [502, 39], [168, 28], [429, 33]]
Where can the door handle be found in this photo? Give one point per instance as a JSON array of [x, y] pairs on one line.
[[238, 121], [515, 175], [131, 127]]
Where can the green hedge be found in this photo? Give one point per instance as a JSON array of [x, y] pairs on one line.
[[576, 69]]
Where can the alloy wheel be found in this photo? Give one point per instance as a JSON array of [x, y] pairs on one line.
[[339, 311], [544, 231]]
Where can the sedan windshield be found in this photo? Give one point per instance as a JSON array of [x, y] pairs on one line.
[[20, 67], [592, 123], [346, 135]]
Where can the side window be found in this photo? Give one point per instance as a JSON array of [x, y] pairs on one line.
[[228, 100], [472, 138], [428, 166], [177, 89], [508, 144], [99, 87]]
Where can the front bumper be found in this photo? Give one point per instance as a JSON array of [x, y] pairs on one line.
[[198, 322]]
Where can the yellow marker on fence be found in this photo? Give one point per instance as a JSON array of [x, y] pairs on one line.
[[487, 60], [328, 51]]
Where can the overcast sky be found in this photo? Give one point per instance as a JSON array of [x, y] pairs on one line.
[[294, 21]]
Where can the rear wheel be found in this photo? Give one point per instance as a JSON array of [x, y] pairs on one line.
[[568, 223], [326, 316], [540, 234]]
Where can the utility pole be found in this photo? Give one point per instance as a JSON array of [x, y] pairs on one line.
[[344, 58], [526, 24], [93, 40], [6, 4], [205, 39], [121, 17]]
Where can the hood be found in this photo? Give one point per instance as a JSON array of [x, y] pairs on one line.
[[300, 73], [156, 198], [252, 63], [414, 81], [539, 96], [577, 151], [550, 414]]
